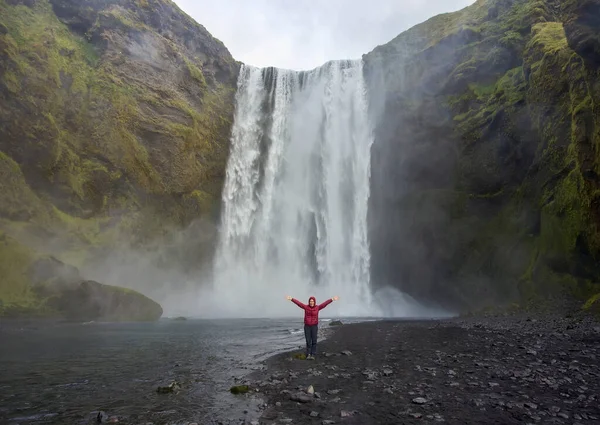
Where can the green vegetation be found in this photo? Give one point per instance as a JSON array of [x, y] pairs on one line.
[[239, 389], [521, 101], [111, 135]]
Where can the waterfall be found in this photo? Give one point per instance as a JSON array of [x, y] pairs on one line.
[[295, 199]]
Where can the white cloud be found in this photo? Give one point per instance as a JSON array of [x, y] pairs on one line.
[[303, 34]]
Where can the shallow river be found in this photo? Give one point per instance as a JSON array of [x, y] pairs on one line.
[[65, 373]]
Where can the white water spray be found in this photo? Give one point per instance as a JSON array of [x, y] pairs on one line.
[[296, 195]]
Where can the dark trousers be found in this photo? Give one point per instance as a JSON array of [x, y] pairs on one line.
[[310, 333]]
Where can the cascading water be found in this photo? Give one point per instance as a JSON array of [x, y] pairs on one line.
[[296, 195]]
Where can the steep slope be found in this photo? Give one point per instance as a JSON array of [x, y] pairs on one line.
[[485, 185], [115, 123]]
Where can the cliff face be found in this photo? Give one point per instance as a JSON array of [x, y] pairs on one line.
[[114, 130], [115, 119], [485, 184]]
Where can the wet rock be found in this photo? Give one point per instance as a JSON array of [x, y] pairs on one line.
[[347, 353], [371, 375], [102, 417], [300, 398], [327, 422], [419, 400], [314, 414], [310, 390], [333, 392], [530, 405], [171, 388]]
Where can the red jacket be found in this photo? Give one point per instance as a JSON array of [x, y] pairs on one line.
[[311, 314]]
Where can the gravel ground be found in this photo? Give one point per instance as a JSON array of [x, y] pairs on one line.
[[494, 370]]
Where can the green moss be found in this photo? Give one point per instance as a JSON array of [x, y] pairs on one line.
[[511, 39], [563, 216], [239, 389], [591, 302], [195, 72], [15, 260], [17, 201], [549, 36], [119, 15]]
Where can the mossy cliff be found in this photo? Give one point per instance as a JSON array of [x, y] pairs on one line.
[[115, 119], [485, 185]]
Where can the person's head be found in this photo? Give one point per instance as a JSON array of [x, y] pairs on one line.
[[312, 301]]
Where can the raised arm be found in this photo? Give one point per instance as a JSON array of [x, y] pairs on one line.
[[326, 303], [298, 303]]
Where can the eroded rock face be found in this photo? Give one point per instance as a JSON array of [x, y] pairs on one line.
[[115, 126], [66, 294], [484, 180]]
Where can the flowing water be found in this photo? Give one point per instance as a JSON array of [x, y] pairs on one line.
[[296, 193], [66, 373]]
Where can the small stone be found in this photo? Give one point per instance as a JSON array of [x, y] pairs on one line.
[[277, 403], [416, 415], [346, 414], [314, 414], [347, 353], [530, 405], [419, 400], [493, 384], [327, 422], [387, 372], [102, 417], [310, 389], [563, 415], [300, 398], [333, 392], [285, 421]]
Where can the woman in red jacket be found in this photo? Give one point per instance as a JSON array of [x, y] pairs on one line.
[[311, 322]]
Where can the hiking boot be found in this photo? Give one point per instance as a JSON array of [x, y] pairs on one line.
[[310, 357]]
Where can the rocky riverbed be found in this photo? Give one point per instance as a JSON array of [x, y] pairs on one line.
[[495, 370]]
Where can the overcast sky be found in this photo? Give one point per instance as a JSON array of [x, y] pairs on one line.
[[303, 34]]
